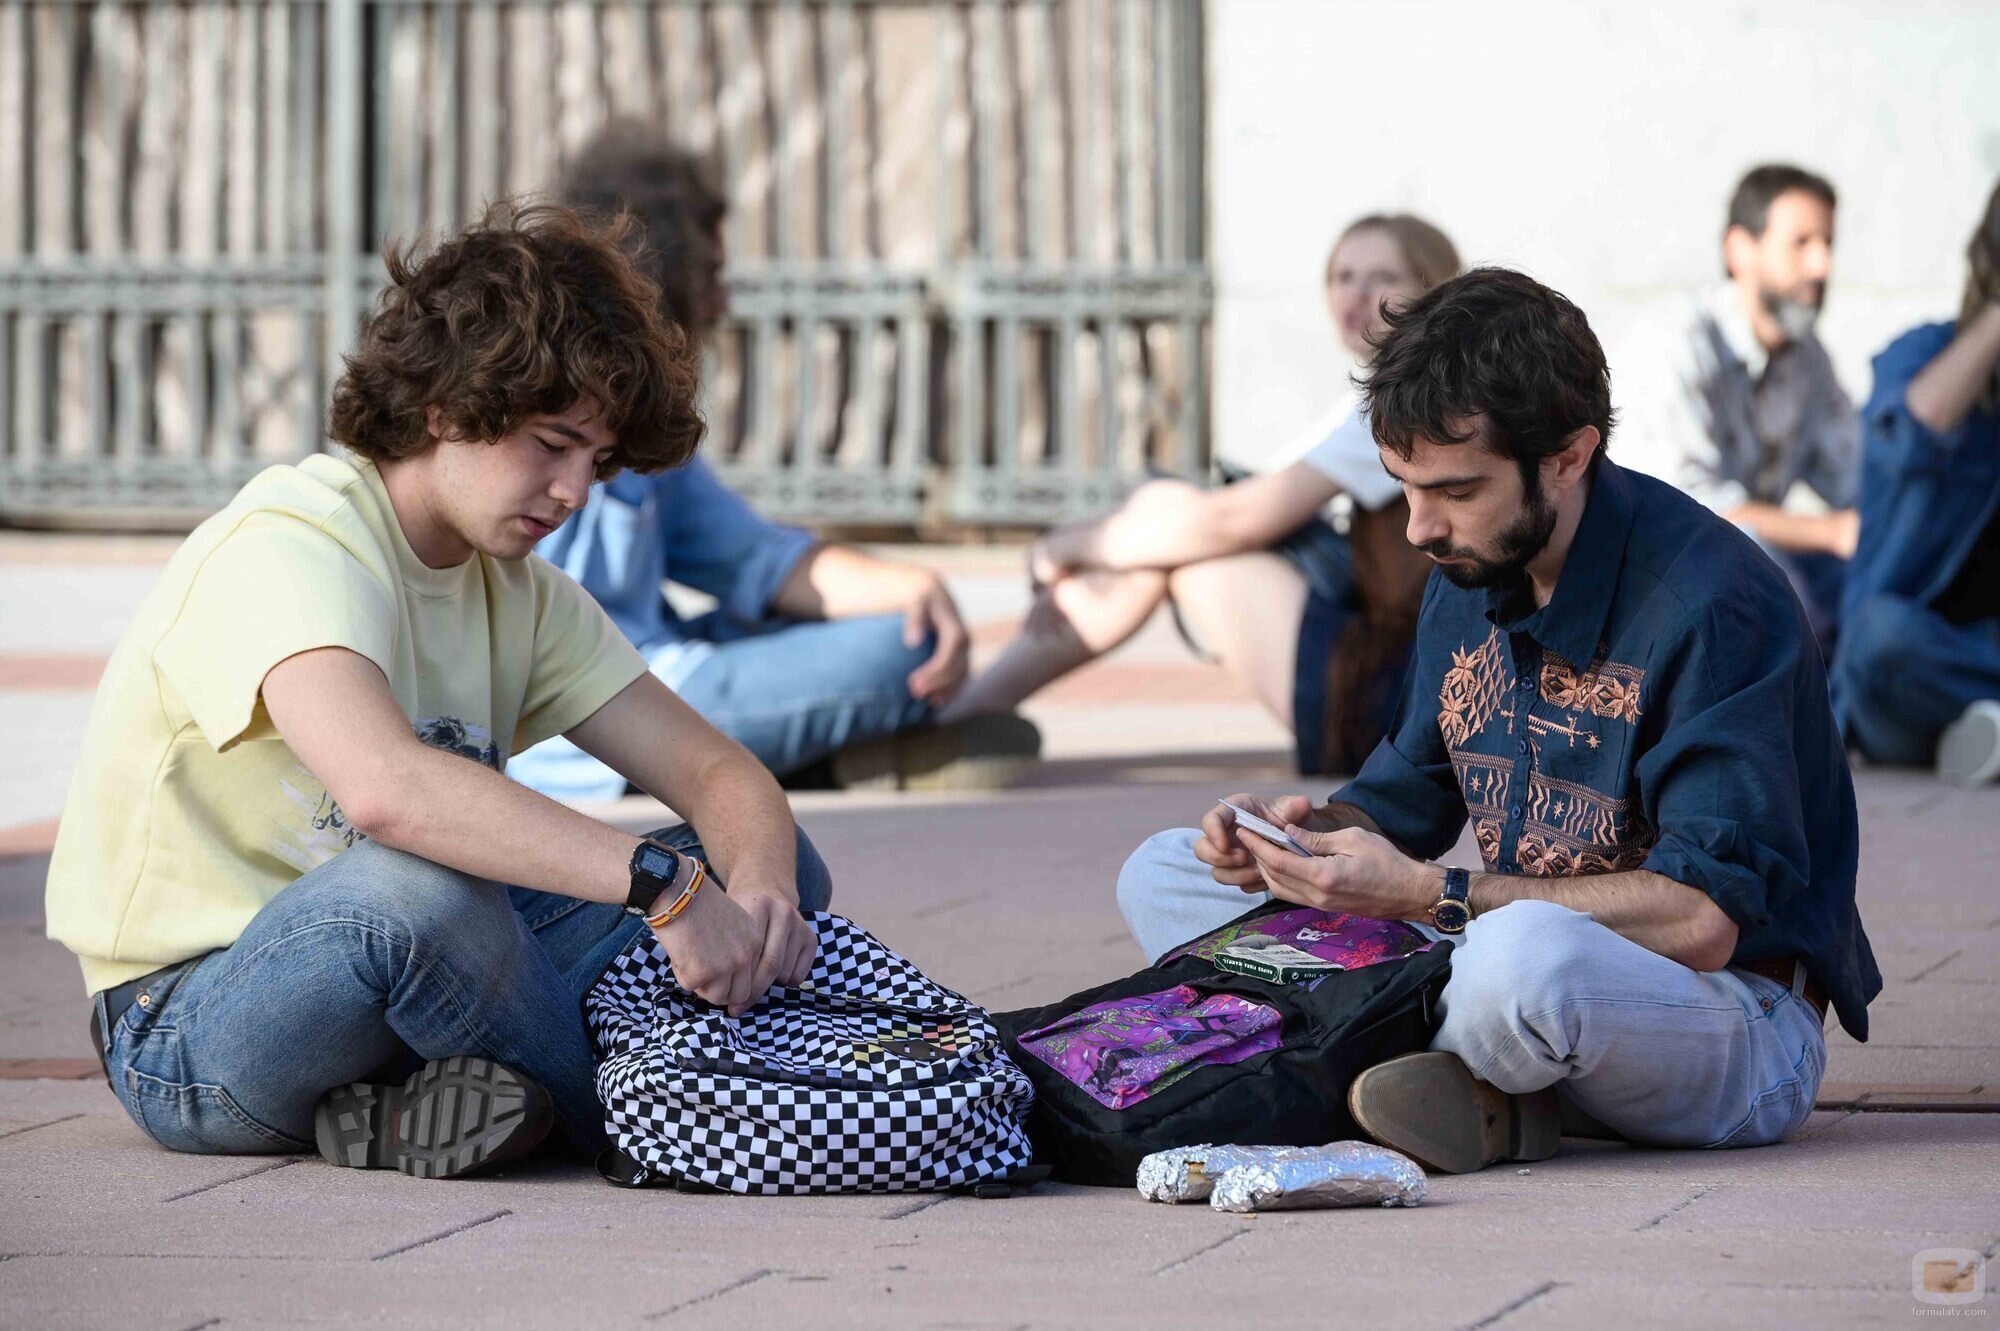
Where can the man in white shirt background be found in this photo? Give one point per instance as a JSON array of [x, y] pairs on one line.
[[1733, 398]]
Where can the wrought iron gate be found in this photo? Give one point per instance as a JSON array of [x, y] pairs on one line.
[[967, 255]]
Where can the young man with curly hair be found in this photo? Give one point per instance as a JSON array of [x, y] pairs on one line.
[[291, 863], [1624, 698], [829, 664]]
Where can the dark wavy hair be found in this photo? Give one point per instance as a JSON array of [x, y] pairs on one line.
[[1492, 344], [672, 195], [1982, 282], [531, 310], [1750, 204]]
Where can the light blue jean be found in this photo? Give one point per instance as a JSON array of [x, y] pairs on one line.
[[1817, 580], [361, 970], [791, 692], [1541, 995], [1904, 672]]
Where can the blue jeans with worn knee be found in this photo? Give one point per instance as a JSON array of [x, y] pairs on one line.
[[1544, 996], [791, 692], [1904, 672], [361, 970]]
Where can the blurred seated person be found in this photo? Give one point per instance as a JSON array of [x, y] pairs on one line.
[[827, 663], [1318, 624], [1734, 400], [1917, 674]]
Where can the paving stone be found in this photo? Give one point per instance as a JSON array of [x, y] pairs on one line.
[[49, 1069], [1009, 898]]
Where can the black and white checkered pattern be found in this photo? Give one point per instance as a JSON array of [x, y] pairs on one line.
[[869, 1077]]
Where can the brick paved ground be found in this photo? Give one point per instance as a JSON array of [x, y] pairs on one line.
[[1009, 898]]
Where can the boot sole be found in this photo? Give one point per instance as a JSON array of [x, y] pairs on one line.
[[454, 1117], [980, 753], [1432, 1109]]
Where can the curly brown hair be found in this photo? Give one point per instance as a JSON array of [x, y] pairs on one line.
[[531, 310], [672, 194]]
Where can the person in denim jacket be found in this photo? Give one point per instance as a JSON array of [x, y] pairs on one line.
[[1917, 675], [825, 662]]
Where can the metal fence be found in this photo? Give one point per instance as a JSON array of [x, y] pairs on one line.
[[967, 258]]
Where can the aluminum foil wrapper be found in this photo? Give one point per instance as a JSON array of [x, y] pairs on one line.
[[1188, 1173], [1340, 1174]]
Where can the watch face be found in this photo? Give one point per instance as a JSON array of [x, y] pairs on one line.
[[658, 863], [1450, 916]]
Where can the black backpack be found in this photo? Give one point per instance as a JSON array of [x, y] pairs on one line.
[[1242, 1037]]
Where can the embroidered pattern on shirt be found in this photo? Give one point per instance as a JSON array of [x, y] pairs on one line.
[[1472, 691], [1486, 831], [1572, 829], [1485, 782], [1604, 689], [1543, 856], [1565, 828], [1542, 729]]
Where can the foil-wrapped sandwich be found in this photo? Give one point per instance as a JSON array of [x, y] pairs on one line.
[[1280, 1178], [1188, 1173]]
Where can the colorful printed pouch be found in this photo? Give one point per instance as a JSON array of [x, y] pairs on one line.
[[1124, 1050], [1348, 941]]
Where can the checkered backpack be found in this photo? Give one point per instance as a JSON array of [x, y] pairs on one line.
[[869, 1077]]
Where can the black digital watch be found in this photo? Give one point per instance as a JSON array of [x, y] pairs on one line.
[[656, 869]]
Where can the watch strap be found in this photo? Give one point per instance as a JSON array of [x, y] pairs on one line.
[[1458, 886], [647, 887], [1452, 911]]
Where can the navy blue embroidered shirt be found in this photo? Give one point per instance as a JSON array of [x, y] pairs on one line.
[[1666, 710]]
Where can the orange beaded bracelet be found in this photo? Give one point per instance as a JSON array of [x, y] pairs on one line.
[[660, 919]]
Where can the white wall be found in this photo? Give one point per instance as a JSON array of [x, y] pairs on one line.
[[1592, 145]]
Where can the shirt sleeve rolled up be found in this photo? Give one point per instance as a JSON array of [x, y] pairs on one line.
[[717, 543], [1722, 786]]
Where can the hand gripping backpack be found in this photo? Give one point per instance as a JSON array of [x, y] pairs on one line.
[[1195, 1050], [869, 1077]]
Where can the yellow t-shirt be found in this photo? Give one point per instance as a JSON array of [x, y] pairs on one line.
[[187, 811]]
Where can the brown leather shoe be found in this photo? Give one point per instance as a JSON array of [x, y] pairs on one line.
[[1432, 1109]]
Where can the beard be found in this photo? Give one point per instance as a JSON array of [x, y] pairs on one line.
[[1516, 546], [1796, 311]]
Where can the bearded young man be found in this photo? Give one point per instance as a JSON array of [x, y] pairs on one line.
[[1623, 697], [290, 862], [1734, 399]]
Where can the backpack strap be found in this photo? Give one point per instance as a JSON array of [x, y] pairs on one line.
[[622, 1171], [1004, 1185]]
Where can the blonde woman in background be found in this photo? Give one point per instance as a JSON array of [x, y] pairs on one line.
[[1318, 624]]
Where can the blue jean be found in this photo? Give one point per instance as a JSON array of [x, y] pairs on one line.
[[791, 692], [1903, 673], [1541, 995], [1817, 580], [362, 969]]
